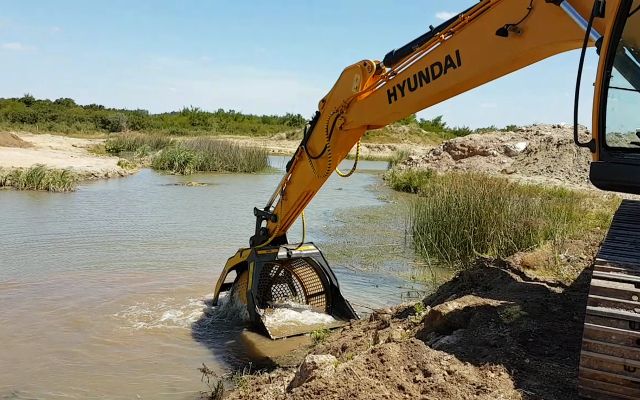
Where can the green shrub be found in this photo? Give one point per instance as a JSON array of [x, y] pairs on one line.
[[64, 115], [461, 131], [408, 180], [177, 160], [433, 125], [411, 119]]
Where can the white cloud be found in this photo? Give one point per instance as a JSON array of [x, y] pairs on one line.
[[15, 46], [56, 29], [445, 15]]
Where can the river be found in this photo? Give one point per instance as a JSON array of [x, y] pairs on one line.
[[100, 288]]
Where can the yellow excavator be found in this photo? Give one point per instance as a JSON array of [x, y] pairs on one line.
[[489, 40]]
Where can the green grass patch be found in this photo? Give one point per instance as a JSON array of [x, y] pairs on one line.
[[39, 177], [320, 335], [136, 142], [408, 180], [187, 156], [457, 217], [210, 155]]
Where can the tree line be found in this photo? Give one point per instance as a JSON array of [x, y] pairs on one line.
[[65, 115]]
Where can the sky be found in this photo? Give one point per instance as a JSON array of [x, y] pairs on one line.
[[261, 57]]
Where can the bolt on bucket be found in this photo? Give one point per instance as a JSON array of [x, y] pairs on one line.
[[289, 290]]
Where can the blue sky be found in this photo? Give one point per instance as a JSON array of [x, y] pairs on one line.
[[253, 56]]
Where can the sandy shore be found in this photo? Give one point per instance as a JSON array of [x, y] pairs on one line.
[[367, 150], [61, 152], [65, 152]]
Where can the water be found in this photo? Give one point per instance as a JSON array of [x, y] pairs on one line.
[[105, 292]]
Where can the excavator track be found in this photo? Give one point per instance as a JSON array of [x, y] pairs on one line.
[[610, 356]]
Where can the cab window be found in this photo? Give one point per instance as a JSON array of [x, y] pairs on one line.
[[623, 89]]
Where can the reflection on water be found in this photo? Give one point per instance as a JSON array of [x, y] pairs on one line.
[[99, 288]]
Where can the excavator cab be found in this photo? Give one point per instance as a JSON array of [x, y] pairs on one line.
[[616, 125]]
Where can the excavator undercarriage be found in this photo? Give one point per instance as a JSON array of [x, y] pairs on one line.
[[610, 356]]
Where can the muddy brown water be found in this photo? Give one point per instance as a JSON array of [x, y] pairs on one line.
[[105, 292]]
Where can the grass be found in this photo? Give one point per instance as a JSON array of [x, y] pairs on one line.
[[39, 177], [127, 164], [177, 160], [136, 142], [396, 133], [187, 156], [457, 217], [408, 180], [214, 383], [206, 154], [320, 335], [397, 157]]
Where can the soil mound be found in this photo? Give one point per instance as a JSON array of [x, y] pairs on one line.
[[8, 139], [538, 153], [490, 333]]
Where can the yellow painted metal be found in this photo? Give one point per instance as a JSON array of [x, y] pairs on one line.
[[612, 10], [250, 281], [267, 251], [232, 263], [306, 247]]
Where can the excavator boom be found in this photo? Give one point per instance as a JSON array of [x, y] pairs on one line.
[[476, 47]]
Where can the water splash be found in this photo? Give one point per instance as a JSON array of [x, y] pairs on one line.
[[166, 313], [230, 308], [172, 313], [289, 314]]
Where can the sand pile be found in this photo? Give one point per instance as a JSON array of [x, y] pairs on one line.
[[537, 153], [10, 139]]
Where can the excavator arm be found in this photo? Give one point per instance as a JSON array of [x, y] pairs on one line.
[[487, 41]]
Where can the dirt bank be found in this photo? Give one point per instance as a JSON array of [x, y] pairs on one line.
[[495, 331], [23, 150], [540, 153]]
